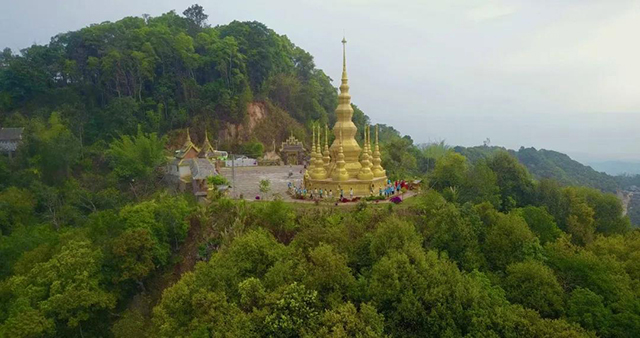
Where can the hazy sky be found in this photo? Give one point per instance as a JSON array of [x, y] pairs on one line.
[[561, 75]]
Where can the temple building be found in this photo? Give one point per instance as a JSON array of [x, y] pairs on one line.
[[190, 167], [292, 151], [345, 165]]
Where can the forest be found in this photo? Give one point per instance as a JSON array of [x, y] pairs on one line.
[[92, 244]]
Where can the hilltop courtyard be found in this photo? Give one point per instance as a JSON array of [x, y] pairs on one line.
[[247, 180]]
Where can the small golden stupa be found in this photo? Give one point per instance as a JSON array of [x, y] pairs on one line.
[[344, 165]]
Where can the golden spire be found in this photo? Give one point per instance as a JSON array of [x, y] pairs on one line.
[[365, 140], [369, 146], [344, 123], [344, 87], [377, 168], [312, 161], [188, 144], [319, 172], [188, 138], [365, 172], [340, 173], [319, 144], [344, 58], [322, 171], [207, 149], [326, 158]]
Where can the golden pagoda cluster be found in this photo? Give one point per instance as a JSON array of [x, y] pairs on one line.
[[345, 165]]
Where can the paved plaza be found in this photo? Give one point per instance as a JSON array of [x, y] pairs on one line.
[[247, 180]]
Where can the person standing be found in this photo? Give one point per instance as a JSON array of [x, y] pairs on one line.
[[351, 193]]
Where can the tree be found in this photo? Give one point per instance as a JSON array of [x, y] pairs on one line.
[[608, 213], [577, 267], [587, 309], [329, 274], [580, 221], [66, 289], [195, 14], [253, 149], [294, 312], [348, 321], [165, 218], [509, 241], [431, 154], [514, 181], [399, 156], [53, 149], [217, 180], [133, 253], [264, 186], [480, 185], [449, 231], [450, 171], [534, 285], [541, 223], [136, 157], [189, 310], [16, 209]]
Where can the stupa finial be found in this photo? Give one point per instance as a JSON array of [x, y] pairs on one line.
[[319, 144], [369, 147], [344, 57], [326, 157], [365, 172], [340, 173], [326, 135], [319, 171], [312, 161], [377, 169]]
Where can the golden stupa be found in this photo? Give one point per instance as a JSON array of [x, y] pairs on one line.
[[344, 165]]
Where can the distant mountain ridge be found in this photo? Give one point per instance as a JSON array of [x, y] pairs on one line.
[[617, 167], [544, 163]]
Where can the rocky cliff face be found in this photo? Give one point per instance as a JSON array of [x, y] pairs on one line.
[[237, 133]]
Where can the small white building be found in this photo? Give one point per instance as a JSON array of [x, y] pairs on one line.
[[10, 139], [241, 161]]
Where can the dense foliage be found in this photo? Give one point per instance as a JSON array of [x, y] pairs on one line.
[[162, 73], [550, 164], [91, 244], [556, 261]]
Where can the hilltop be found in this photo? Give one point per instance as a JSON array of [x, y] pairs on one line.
[[93, 244], [544, 163]]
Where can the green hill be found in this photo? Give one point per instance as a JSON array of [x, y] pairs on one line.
[[93, 244], [550, 164], [164, 73]]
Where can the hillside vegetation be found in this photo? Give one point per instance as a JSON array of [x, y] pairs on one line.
[[550, 164], [92, 244], [161, 73]]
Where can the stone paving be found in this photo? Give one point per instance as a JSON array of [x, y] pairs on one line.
[[247, 180]]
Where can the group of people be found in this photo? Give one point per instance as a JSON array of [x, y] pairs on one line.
[[392, 188], [301, 192]]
